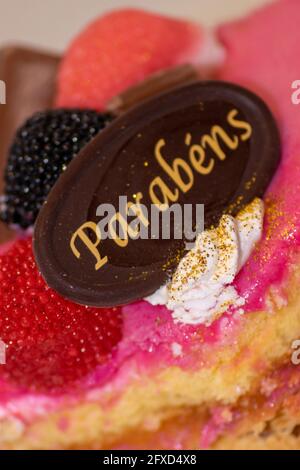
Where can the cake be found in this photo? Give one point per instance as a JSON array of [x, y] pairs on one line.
[[199, 359]]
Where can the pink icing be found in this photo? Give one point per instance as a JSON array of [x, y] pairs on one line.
[[268, 63], [149, 334]]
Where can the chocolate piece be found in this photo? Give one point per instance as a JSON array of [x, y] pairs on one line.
[[208, 143], [157, 83], [29, 76]]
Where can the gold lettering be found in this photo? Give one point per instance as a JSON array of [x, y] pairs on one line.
[[88, 243], [197, 157], [213, 141], [119, 241], [138, 211], [238, 124], [166, 193], [179, 165]]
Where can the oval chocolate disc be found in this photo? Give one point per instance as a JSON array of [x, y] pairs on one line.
[[210, 143]]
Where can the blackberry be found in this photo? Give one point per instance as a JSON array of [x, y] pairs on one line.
[[41, 150]]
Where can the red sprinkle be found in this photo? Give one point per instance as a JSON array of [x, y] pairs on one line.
[[52, 342]]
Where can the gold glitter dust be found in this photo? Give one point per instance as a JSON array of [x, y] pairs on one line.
[[249, 184], [235, 206], [274, 215], [174, 260]]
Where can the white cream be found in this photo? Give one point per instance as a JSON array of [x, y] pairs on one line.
[[200, 290], [212, 54]]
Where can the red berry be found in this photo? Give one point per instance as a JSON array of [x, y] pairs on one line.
[[121, 49], [52, 342]]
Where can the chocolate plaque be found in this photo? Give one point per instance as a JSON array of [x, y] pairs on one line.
[[210, 143]]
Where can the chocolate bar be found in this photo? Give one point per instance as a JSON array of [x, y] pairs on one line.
[[29, 76], [157, 83]]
